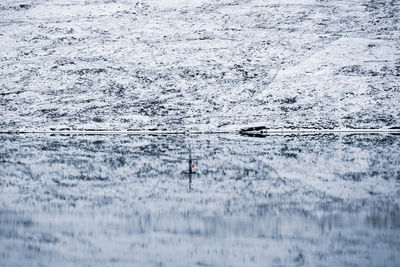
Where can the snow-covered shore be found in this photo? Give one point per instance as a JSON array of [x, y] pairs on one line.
[[210, 66], [199, 65]]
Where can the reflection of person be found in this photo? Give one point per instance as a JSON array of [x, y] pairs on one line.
[[190, 181], [191, 165]]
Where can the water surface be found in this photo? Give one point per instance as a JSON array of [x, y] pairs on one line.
[[327, 200]]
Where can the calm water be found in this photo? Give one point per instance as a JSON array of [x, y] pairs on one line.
[[327, 200]]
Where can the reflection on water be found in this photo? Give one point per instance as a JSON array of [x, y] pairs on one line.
[[191, 166], [278, 201]]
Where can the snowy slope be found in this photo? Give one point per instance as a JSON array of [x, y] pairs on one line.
[[284, 200], [198, 64]]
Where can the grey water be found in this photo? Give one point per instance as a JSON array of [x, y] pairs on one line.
[[199, 200]]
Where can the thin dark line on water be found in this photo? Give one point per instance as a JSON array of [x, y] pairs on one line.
[[247, 132]]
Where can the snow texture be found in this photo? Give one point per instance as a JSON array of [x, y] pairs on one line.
[[199, 65], [205, 65]]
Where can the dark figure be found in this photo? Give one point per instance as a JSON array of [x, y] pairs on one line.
[[191, 166]]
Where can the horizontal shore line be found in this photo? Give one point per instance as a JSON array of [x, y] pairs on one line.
[[241, 131]]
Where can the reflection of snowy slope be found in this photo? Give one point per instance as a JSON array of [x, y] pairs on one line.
[[198, 64], [333, 199]]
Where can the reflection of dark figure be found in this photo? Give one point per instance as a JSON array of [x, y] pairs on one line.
[[190, 170]]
